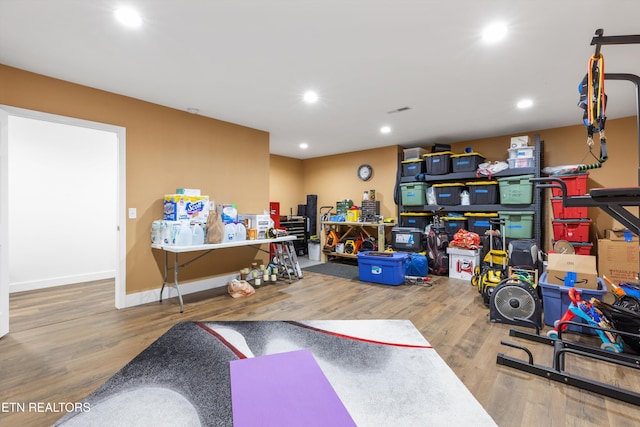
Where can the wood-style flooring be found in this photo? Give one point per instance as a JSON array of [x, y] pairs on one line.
[[66, 341]]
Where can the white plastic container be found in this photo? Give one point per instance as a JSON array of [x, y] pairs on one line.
[[185, 235]]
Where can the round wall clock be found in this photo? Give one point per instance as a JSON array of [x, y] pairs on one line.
[[365, 172]]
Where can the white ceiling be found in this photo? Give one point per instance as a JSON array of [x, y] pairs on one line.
[[249, 61]]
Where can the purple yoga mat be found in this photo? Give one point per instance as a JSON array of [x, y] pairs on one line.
[[284, 389]]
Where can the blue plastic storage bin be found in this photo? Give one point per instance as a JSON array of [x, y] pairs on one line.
[[387, 268], [556, 301]]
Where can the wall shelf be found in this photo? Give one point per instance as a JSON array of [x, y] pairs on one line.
[[346, 230]]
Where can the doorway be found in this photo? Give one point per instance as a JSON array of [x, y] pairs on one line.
[[39, 219]]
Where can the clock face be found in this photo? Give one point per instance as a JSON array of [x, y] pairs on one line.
[[365, 172]]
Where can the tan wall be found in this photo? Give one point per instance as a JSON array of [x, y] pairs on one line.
[[286, 184], [165, 149]]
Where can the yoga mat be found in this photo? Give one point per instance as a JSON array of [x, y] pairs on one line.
[[284, 389]]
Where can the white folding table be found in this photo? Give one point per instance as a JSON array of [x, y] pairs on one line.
[[206, 249]]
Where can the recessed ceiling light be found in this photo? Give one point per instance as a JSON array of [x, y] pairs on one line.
[[385, 129], [310, 97], [128, 17], [524, 103], [495, 32], [304, 145]]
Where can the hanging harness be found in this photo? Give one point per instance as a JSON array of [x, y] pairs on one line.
[[593, 101]]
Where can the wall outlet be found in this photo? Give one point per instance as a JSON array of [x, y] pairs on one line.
[[133, 213]]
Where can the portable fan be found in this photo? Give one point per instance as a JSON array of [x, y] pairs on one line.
[[515, 299]]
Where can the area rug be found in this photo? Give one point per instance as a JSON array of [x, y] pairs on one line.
[[278, 373], [337, 269]]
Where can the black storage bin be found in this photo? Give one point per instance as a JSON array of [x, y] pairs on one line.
[[438, 163], [467, 162], [448, 194], [483, 192], [478, 222], [418, 220], [454, 224], [413, 167]]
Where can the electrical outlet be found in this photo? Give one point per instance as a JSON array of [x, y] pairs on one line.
[[133, 213]]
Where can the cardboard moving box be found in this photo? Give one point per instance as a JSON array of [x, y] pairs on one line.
[[618, 260], [619, 235], [583, 265]]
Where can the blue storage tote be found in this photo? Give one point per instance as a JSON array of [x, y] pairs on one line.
[[414, 193], [556, 301], [516, 190], [517, 225], [387, 268]]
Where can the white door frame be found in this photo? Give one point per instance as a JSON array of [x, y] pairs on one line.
[[120, 267], [4, 225]]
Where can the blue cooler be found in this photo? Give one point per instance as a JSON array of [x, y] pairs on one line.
[[387, 268]]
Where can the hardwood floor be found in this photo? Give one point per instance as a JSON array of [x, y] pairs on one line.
[[65, 342]]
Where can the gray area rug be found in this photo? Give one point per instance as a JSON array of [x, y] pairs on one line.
[[337, 269]]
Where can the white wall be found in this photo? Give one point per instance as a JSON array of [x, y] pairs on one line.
[[62, 204]]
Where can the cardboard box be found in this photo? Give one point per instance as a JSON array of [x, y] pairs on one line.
[[583, 265], [462, 262], [619, 235], [618, 260], [256, 222]]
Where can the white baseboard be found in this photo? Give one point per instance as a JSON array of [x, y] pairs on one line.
[[60, 281], [146, 297]]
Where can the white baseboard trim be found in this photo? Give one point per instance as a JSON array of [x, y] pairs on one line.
[[146, 297], [60, 281]]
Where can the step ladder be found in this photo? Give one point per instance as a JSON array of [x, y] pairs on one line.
[[283, 255]]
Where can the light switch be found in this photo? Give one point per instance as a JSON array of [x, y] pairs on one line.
[[132, 213]]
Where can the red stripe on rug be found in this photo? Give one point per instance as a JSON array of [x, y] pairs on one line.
[[231, 347], [337, 334]]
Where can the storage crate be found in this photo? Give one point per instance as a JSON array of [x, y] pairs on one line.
[[413, 153], [407, 239], [462, 262], [516, 190], [517, 225], [574, 230], [580, 248], [483, 192], [438, 163], [453, 224], [479, 222], [448, 194], [524, 162], [467, 162], [521, 152], [576, 184], [418, 220], [412, 167], [556, 301], [414, 193], [387, 268], [563, 212]]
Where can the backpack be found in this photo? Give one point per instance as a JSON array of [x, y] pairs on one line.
[[523, 253], [437, 243]]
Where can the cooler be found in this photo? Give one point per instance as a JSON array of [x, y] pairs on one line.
[[462, 262], [387, 268], [406, 239]]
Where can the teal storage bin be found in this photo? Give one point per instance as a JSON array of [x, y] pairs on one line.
[[414, 193], [517, 225], [516, 190]]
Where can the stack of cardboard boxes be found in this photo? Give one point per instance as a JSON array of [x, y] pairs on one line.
[[619, 256]]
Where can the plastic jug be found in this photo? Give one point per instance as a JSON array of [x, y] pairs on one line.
[[229, 232], [197, 235], [184, 236], [241, 232]]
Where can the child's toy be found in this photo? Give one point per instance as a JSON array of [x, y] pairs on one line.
[[593, 316]]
